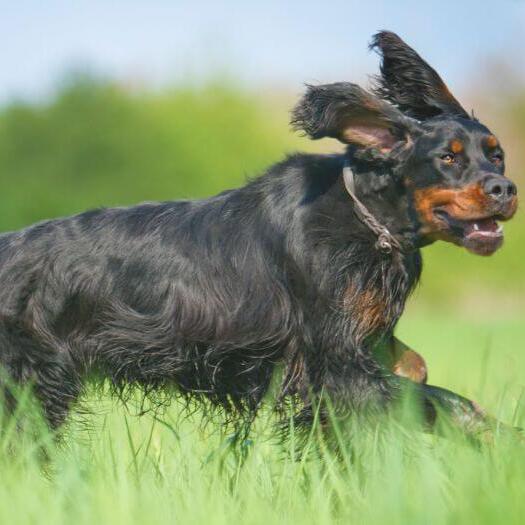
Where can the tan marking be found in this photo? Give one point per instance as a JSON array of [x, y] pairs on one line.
[[367, 308], [468, 203], [408, 363], [465, 203], [456, 146], [397, 357], [491, 141], [512, 207]]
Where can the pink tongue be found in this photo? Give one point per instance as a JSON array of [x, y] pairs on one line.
[[484, 225]]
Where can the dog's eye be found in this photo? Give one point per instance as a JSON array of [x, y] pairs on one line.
[[496, 158], [448, 158]]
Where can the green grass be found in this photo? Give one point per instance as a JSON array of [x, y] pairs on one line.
[[121, 468]]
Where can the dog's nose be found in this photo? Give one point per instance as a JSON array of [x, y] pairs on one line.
[[500, 189]]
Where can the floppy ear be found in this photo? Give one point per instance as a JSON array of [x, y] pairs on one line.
[[350, 114], [409, 82]]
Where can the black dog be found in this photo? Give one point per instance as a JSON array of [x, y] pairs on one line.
[[309, 265]]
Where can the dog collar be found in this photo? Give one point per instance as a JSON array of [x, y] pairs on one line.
[[386, 242]]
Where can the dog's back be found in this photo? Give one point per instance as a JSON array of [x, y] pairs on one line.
[[192, 294]]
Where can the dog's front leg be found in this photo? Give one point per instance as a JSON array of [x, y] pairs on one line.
[[364, 383], [409, 366], [462, 413]]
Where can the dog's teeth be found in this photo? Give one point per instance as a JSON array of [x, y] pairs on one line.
[[500, 228], [476, 226]]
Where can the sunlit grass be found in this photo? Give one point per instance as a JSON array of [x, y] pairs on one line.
[[115, 467]]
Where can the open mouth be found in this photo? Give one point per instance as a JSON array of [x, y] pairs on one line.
[[482, 236]]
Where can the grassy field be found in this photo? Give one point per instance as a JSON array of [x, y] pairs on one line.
[[114, 467], [96, 144]]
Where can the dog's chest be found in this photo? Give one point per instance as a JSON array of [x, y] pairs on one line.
[[374, 299]]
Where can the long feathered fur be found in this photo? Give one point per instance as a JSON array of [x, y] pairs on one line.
[[202, 298], [409, 82]]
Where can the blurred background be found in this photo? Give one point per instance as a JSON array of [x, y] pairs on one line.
[[112, 103]]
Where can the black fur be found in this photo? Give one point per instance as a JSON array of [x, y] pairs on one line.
[[206, 297], [409, 82]]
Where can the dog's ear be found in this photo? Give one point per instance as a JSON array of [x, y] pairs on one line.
[[409, 82], [350, 114]]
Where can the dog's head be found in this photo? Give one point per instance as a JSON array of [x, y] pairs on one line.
[[449, 165]]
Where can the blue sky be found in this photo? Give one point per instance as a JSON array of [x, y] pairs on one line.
[[270, 43]]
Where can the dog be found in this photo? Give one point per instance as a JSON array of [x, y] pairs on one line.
[[304, 270]]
